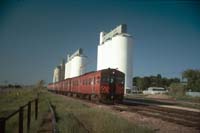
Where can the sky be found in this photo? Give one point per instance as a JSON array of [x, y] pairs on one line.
[[35, 35]]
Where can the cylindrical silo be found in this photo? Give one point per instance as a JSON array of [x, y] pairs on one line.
[[115, 51], [56, 74], [75, 65], [78, 66], [67, 69], [122, 49], [104, 57]]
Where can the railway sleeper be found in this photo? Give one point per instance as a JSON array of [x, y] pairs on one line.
[[177, 111], [170, 119], [168, 113]]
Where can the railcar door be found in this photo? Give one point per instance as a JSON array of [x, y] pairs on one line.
[[112, 85]]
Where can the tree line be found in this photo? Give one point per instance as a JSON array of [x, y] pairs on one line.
[[10, 86], [148, 81], [191, 81]]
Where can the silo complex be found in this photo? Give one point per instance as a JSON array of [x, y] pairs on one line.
[[115, 51], [75, 65], [56, 74], [59, 72]]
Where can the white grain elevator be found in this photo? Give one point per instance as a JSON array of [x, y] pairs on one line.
[[76, 64], [115, 50]]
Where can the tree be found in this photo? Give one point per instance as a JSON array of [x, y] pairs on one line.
[[193, 79], [177, 89], [135, 79], [143, 83], [40, 84], [158, 81]]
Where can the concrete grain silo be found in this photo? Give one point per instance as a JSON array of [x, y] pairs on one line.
[[59, 72], [115, 50], [62, 70], [67, 67], [78, 66], [75, 65], [56, 74]]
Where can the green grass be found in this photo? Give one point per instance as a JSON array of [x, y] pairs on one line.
[[186, 98], [187, 101], [182, 100], [10, 102], [75, 117], [72, 116]]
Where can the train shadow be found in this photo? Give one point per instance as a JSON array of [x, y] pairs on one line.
[[135, 102]]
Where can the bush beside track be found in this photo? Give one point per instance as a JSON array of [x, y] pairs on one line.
[[74, 116], [71, 115], [11, 101]]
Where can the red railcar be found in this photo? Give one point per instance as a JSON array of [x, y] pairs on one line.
[[107, 84]]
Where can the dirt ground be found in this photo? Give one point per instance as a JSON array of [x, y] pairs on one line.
[[160, 96], [46, 125], [156, 124]]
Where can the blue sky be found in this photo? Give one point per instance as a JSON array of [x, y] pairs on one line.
[[36, 34]]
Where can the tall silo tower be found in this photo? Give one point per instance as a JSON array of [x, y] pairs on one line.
[[76, 64], [62, 70], [115, 50], [59, 72], [56, 74]]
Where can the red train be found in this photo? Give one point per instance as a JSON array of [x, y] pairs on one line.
[[104, 85]]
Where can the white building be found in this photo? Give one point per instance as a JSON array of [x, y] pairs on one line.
[[75, 65], [59, 72], [155, 90], [115, 50], [56, 74]]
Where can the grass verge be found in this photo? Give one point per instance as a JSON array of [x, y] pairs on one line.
[[10, 102], [72, 116], [75, 117], [182, 100]]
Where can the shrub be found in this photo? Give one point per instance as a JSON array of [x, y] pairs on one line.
[[177, 89]]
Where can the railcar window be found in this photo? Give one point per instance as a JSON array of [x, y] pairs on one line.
[[105, 79], [119, 79], [94, 80], [111, 80], [98, 80], [90, 81]]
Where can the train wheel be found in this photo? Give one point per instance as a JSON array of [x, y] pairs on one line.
[[89, 97]]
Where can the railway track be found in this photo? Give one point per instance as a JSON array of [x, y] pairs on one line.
[[182, 117]]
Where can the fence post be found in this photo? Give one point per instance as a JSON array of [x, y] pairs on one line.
[[21, 120], [29, 116], [36, 108], [2, 125]]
